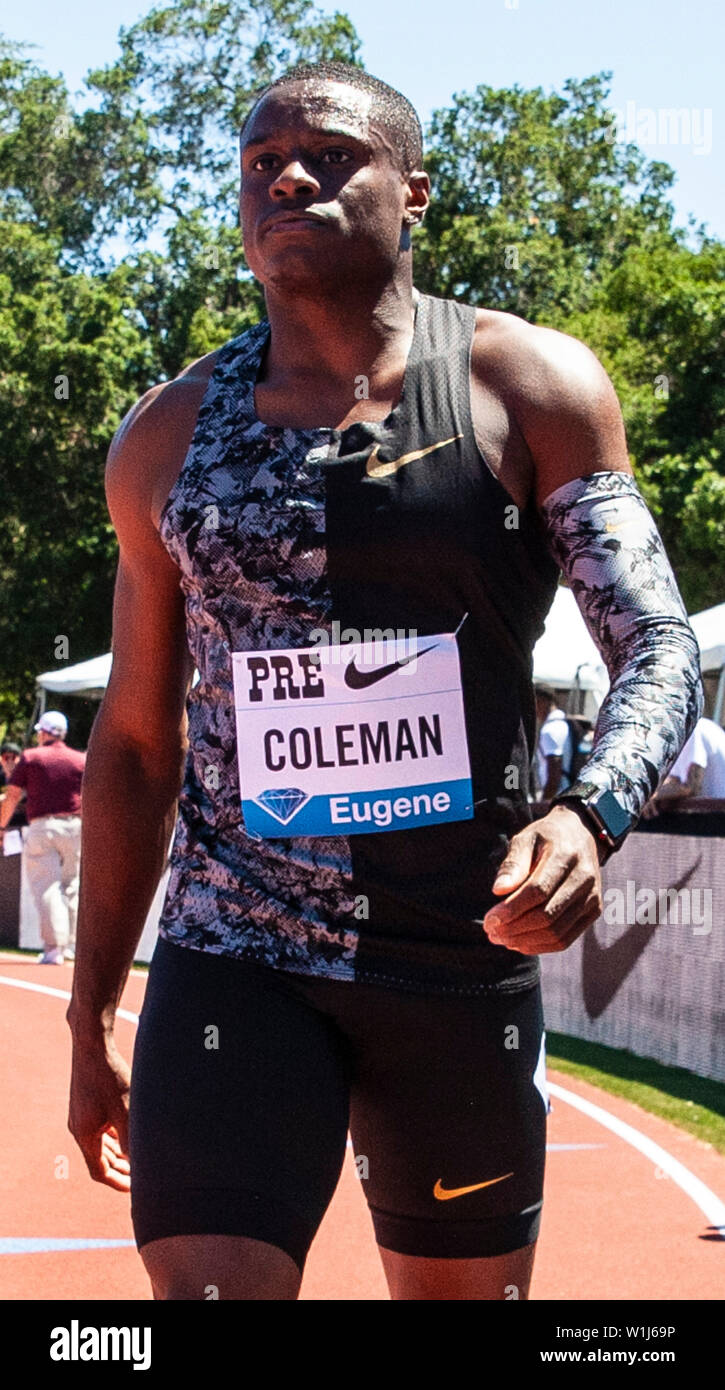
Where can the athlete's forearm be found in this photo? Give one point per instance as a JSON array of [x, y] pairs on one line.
[[609, 550], [129, 803]]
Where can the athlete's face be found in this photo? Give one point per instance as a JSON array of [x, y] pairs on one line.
[[321, 194]]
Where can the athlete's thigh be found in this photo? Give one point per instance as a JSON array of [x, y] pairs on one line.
[[224, 1268], [238, 1108], [449, 1113], [496, 1278]]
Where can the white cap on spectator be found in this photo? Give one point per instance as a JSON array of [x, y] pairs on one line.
[[52, 722]]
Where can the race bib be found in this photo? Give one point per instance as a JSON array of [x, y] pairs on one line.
[[352, 739]]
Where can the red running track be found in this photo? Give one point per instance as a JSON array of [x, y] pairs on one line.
[[615, 1225]]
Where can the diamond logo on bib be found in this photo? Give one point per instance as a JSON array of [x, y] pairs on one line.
[[352, 739], [283, 804]]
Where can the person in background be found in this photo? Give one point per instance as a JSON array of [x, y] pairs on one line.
[[698, 771], [50, 776], [554, 750], [10, 755]]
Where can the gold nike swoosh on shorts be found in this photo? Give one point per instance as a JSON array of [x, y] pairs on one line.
[[383, 470], [444, 1194]]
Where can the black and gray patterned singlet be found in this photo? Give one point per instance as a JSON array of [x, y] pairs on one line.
[[279, 532]]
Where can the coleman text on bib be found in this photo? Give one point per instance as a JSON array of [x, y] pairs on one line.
[[352, 739]]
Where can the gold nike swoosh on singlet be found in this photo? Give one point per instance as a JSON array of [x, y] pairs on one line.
[[444, 1194], [383, 470]]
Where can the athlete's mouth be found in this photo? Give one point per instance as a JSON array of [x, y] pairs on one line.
[[286, 220]]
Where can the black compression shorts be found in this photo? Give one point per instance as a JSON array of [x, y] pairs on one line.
[[246, 1078]]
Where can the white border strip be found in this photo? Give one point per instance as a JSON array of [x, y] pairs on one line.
[[708, 1203]]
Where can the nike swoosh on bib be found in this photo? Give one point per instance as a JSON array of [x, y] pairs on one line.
[[358, 680], [444, 1194], [383, 470]]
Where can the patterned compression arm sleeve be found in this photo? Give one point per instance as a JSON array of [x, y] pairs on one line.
[[608, 547]]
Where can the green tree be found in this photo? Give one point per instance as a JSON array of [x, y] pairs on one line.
[[72, 355], [51, 174], [532, 196]]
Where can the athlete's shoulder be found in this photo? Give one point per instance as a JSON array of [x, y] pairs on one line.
[[158, 408], [151, 443], [163, 413], [153, 438], [543, 367], [557, 392]]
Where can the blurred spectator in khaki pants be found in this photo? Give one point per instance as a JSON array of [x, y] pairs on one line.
[[50, 776]]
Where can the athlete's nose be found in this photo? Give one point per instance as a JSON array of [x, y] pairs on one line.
[[293, 180]]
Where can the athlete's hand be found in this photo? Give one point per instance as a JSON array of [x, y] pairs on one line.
[[551, 883], [98, 1111]]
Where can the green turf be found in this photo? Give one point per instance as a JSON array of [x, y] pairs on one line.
[[692, 1102]]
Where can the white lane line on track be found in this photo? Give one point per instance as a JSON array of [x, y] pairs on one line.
[[704, 1198], [710, 1205], [57, 994]]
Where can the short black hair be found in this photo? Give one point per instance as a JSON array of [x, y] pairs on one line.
[[389, 108], [11, 748]]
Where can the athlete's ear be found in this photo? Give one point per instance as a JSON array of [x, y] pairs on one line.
[[417, 196]]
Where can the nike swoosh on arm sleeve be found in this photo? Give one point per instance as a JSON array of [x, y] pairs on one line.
[[605, 540]]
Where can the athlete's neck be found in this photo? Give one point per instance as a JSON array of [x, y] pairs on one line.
[[334, 357]]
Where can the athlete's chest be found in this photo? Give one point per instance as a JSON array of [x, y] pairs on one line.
[[401, 500], [369, 485]]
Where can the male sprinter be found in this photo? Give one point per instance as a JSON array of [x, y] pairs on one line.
[[356, 942]]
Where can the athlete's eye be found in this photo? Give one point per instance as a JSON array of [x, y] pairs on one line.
[[336, 156], [263, 162]]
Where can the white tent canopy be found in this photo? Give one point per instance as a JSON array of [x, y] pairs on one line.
[[709, 629], [565, 656], [88, 678]]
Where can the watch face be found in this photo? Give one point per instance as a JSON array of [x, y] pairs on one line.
[[616, 820]]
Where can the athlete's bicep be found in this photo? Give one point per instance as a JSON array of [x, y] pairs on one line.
[[152, 667], [568, 412]]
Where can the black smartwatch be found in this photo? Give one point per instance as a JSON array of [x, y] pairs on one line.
[[601, 812]]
